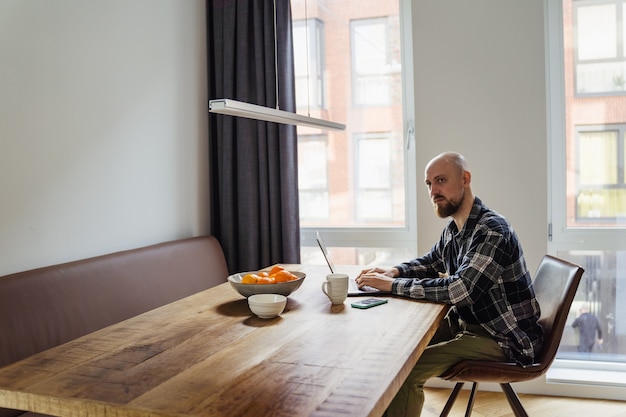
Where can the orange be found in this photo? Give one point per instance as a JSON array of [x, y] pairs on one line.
[[263, 274], [275, 269], [266, 280], [284, 276], [250, 279]]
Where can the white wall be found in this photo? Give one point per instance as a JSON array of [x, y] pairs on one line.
[[102, 127], [480, 90]]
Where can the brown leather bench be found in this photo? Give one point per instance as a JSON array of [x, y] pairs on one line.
[[46, 307]]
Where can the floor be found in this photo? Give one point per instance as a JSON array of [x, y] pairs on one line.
[[494, 404]]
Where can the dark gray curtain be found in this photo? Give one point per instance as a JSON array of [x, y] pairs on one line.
[[253, 164]]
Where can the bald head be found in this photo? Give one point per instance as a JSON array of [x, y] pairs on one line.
[[454, 160]]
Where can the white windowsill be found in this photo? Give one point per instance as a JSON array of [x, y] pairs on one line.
[[587, 373]]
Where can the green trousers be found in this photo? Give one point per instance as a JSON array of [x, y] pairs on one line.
[[453, 342]]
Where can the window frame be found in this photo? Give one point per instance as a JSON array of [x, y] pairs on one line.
[[401, 238], [560, 235], [566, 377]]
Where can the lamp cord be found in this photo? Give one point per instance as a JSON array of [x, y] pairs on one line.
[[308, 86], [276, 56]]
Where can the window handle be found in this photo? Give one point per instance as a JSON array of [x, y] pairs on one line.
[[410, 133]]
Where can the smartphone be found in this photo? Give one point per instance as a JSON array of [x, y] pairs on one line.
[[368, 303]]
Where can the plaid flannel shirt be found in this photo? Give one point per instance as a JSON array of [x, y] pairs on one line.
[[481, 271]]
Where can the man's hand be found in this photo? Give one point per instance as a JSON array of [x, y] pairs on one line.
[[392, 273], [378, 278]]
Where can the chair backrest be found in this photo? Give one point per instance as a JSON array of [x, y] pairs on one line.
[[555, 284]]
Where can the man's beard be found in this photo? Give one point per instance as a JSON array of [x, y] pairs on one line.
[[448, 207]]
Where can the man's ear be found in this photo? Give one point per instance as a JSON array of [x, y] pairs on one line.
[[467, 178]]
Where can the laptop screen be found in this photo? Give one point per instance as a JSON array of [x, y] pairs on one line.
[[329, 260]]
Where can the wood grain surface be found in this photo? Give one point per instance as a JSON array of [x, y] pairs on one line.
[[208, 355]]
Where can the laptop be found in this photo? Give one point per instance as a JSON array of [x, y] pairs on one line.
[[353, 288]]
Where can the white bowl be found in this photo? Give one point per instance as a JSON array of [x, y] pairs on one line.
[[267, 306], [282, 288]]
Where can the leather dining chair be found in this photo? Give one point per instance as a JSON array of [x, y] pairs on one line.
[[556, 282]]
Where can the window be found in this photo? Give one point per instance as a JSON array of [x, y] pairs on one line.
[[599, 40], [309, 63], [371, 62], [356, 186], [601, 191], [588, 191], [374, 178], [313, 178]]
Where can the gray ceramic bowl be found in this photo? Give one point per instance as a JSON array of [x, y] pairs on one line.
[[282, 288]]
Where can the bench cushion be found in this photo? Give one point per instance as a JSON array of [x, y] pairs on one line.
[[46, 307]]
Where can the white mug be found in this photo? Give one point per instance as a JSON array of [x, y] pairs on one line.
[[336, 287]]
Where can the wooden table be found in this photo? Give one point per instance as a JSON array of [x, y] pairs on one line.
[[207, 355]]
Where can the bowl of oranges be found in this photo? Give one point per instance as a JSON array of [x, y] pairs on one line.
[[277, 280]]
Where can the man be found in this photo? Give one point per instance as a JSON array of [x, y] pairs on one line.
[[478, 267], [587, 325]]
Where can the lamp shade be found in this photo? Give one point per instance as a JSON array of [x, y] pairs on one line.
[[254, 111]]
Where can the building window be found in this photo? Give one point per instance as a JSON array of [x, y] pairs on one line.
[[599, 47], [309, 63], [374, 178], [372, 64], [601, 193], [313, 178]]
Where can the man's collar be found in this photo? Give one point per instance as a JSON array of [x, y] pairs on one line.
[[471, 219]]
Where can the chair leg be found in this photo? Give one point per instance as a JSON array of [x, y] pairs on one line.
[[451, 399], [470, 401], [514, 401]]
